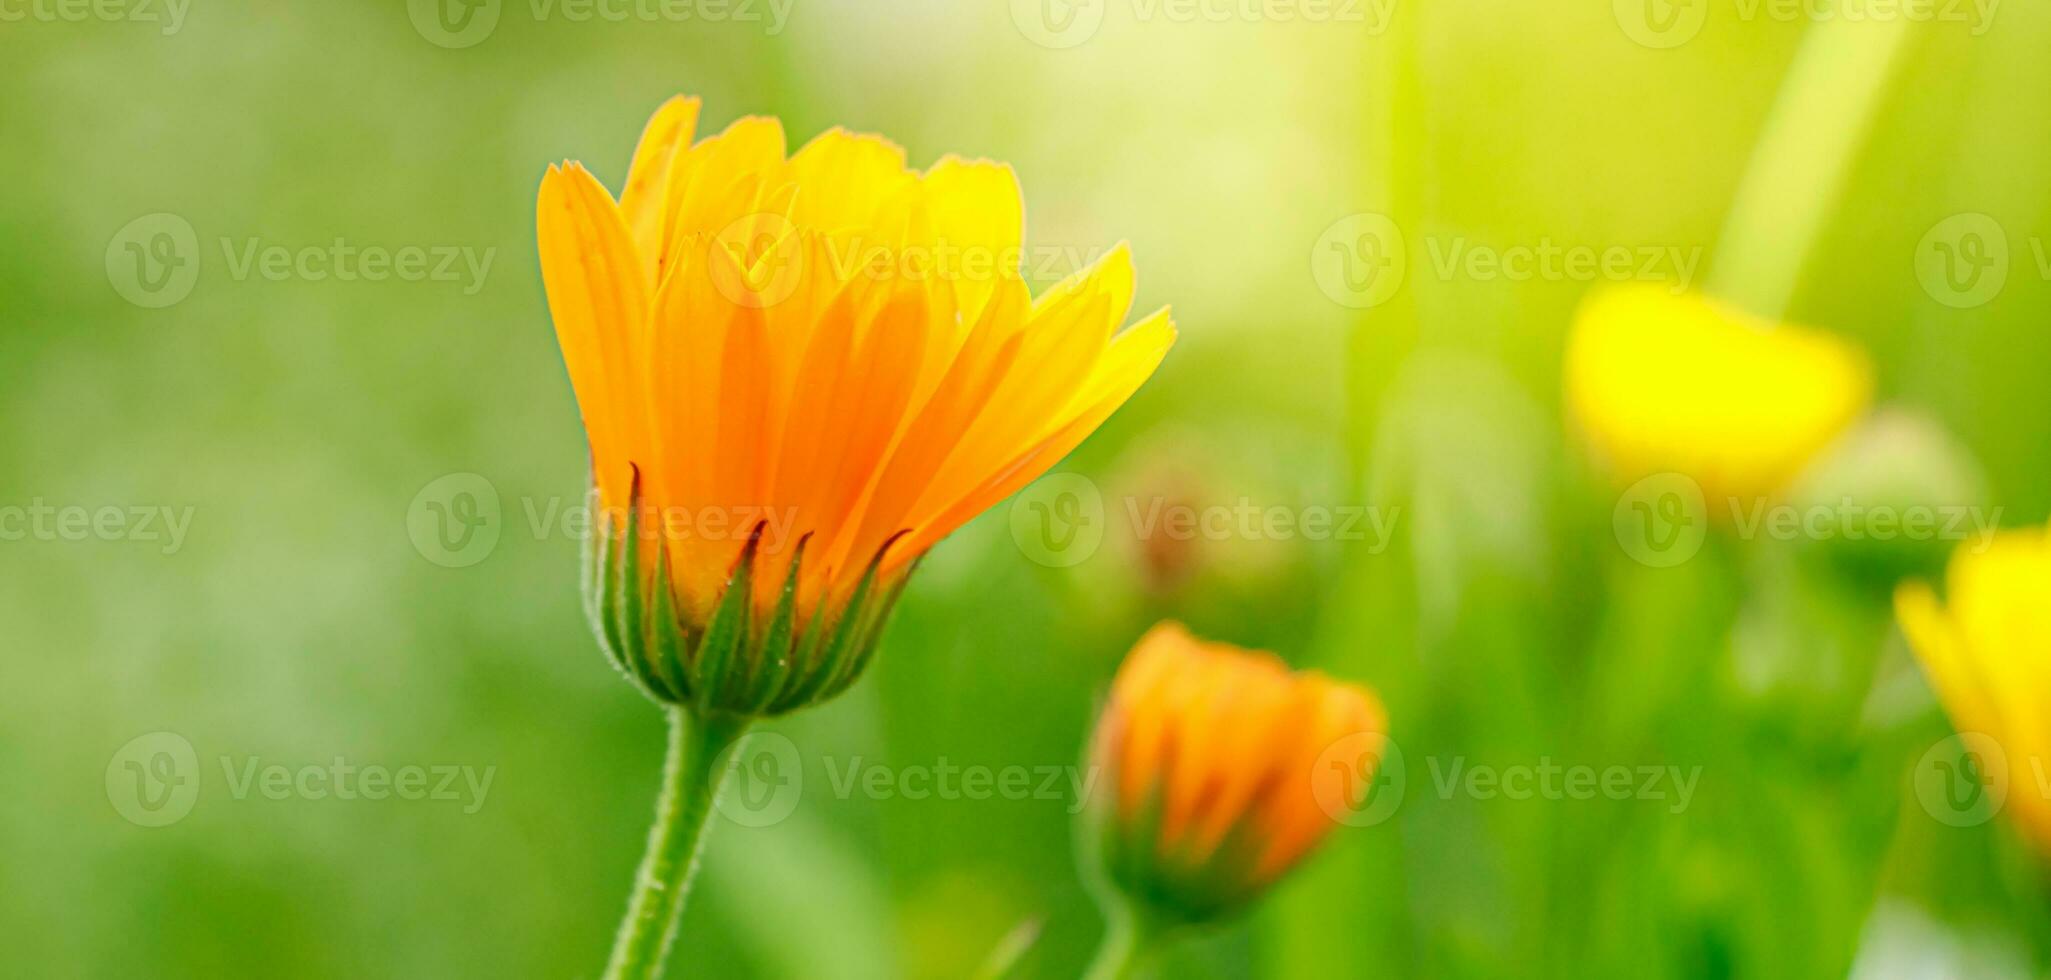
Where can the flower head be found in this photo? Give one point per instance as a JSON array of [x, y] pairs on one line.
[[1900, 466], [1216, 770], [1685, 384], [1987, 650], [797, 373]]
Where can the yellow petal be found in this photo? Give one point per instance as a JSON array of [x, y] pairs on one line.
[[847, 178], [668, 134], [976, 213], [713, 182], [1989, 655], [1665, 383]]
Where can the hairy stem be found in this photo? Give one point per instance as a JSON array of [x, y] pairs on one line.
[[690, 779], [1131, 938]]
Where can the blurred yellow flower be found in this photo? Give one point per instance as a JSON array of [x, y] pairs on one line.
[[1664, 383], [797, 373], [1987, 651], [1218, 769]]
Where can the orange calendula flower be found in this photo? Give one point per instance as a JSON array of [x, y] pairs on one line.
[[1664, 383], [1987, 650], [1219, 769], [797, 373]]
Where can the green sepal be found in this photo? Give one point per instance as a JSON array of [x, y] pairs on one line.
[[831, 641], [779, 651], [596, 572], [606, 601], [1175, 885], [623, 592], [739, 663], [805, 664], [665, 638], [713, 666], [617, 599], [868, 637]]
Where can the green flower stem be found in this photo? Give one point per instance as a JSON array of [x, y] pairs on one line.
[[689, 783], [1821, 120], [1131, 938]]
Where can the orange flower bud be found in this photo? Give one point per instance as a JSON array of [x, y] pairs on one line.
[[1209, 759]]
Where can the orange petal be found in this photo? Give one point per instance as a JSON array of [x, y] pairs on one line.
[[1130, 362], [598, 300], [667, 135]]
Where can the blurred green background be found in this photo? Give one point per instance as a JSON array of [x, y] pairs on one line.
[[300, 422]]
